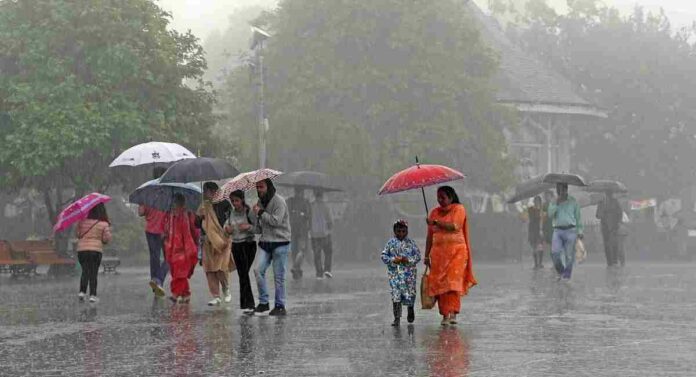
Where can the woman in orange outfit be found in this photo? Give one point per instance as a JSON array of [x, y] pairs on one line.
[[447, 253]]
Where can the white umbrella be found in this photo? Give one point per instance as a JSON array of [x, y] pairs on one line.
[[152, 153]]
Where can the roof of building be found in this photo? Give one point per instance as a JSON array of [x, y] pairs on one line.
[[525, 81]]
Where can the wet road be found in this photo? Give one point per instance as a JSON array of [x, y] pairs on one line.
[[634, 322]]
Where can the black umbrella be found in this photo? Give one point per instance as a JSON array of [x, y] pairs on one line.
[[606, 185], [530, 188], [569, 179], [199, 170], [307, 179]]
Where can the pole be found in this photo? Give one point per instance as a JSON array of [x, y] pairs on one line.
[[261, 106], [549, 155], [425, 202]]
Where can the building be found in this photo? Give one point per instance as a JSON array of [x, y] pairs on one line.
[[551, 113]]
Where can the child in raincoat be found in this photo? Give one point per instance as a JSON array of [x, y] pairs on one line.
[[180, 250], [401, 255]]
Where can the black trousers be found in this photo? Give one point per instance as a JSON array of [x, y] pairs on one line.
[[89, 262], [243, 254], [322, 246]]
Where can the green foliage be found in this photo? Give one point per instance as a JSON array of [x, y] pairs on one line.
[[644, 73], [82, 80], [362, 87]]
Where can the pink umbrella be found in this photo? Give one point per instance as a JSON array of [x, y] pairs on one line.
[[245, 182], [78, 210]]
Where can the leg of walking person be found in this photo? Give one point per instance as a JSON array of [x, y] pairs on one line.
[[240, 253], [318, 264], [213, 283], [606, 242], [223, 278], [328, 255], [260, 273], [556, 251], [84, 276], [570, 240], [95, 262], [280, 261]]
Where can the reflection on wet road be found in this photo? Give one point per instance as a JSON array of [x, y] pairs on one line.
[[638, 321]]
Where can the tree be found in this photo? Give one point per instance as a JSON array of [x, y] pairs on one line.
[[638, 68], [82, 80], [360, 87]]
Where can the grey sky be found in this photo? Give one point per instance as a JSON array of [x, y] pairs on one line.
[[204, 16]]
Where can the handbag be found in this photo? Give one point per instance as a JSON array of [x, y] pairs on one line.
[[580, 251], [427, 301]]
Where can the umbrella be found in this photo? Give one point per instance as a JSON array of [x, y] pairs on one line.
[[606, 185], [78, 210], [199, 170], [570, 179], [152, 153], [309, 180], [530, 188], [160, 195], [419, 177], [244, 181], [586, 199]]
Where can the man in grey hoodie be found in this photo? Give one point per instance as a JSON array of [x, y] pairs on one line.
[[274, 244]]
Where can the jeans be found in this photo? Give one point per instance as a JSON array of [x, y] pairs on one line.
[[89, 262], [563, 251], [279, 258], [322, 246], [158, 267], [244, 254]]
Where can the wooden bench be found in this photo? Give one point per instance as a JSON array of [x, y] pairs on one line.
[[15, 262], [41, 253]]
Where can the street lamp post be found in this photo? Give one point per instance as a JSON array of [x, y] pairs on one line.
[[258, 39]]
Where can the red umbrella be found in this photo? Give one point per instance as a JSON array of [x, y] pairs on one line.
[[419, 177], [78, 210]]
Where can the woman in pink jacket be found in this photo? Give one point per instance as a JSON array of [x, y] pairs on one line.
[[92, 234]]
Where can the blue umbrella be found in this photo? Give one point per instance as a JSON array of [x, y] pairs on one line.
[[159, 195]]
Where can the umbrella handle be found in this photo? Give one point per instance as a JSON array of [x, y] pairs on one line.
[[425, 202]]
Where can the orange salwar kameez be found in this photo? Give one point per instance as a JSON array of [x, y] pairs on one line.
[[451, 274]]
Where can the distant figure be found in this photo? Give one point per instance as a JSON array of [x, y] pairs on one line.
[[610, 214], [274, 227], [217, 246], [547, 222], [321, 236], [567, 229], [448, 254], [92, 234], [535, 236], [300, 221], [154, 227], [241, 226], [401, 255], [181, 248]]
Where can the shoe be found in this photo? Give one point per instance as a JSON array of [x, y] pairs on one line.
[[228, 296], [320, 277], [328, 274], [248, 311], [260, 308], [185, 299], [81, 296], [453, 319], [445, 321], [214, 302], [296, 274], [173, 299], [93, 299], [157, 289], [411, 315], [278, 311]]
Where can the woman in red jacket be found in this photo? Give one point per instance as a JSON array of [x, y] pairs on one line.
[[180, 250]]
